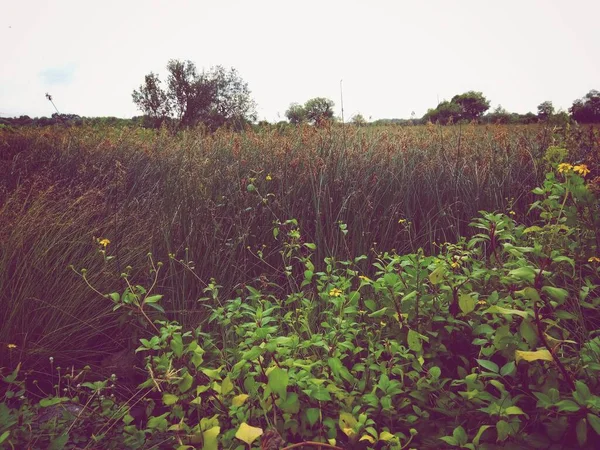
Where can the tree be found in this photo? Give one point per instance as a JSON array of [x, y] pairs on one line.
[[215, 97], [296, 114], [444, 113], [319, 109], [587, 109], [359, 120], [473, 104], [545, 110]]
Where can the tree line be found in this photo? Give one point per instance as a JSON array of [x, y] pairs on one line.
[[219, 97]]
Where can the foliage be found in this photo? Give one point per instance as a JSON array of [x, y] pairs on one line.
[[468, 106], [587, 109], [545, 110], [492, 341], [215, 97], [315, 111]]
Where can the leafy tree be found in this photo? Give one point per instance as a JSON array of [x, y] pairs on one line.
[[296, 113], [359, 120], [319, 109], [545, 110], [473, 104], [446, 112], [215, 97], [587, 109]]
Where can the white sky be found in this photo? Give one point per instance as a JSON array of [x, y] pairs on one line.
[[394, 57]]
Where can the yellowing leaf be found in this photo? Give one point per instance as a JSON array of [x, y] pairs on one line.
[[239, 400], [347, 423], [367, 437], [386, 436], [226, 386], [543, 355], [209, 438], [247, 433]]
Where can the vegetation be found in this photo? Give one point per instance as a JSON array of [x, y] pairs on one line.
[[315, 111], [362, 287], [215, 98]]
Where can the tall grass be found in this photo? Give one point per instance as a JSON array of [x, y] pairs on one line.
[[187, 195]]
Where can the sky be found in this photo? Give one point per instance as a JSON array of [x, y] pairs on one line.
[[391, 58]]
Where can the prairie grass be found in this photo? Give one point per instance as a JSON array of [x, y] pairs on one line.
[[352, 190]]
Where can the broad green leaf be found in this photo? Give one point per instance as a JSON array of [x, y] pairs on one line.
[[508, 369], [513, 411], [500, 310], [460, 435], [581, 430], [437, 275], [209, 437], [378, 313], [414, 341], [312, 415], [320, 393], [482, 429], [466, 303], [177, 345], [169, 399], [239, 400], [247, 433], [568, 405], [226, 386], [594, 421], [153, 298], [543, 355], [4, 436], [253, 353], [45, 402], [489, 365], [291, 404], [558, 294], [386, 436], [186, 382], [523, 273], [528, 333], [347, 424], [278, 381], [59, 442]]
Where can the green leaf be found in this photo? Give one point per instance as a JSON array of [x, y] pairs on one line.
[[169, 399], [523, 273], [582, 393], [528, 333], [209, 438], [45, 402], [508, 369], [466, 303], [4, 436], [186, 382], [321, 394], [278, 381], [450, 440], [291, 404], [310, 246], [435, 372], [568, 405], [177, 345], [558, 294], [347, 424], [482, 429], [253, 353], [581, 430], [513, 411], [414, 341], [543, 355], [313, 414], [594, 421], [489, 365], [226, 386], [379, 312], [59, 442], [153, 298], [460, 435], [500, 310], [247, 433], [437, 275]]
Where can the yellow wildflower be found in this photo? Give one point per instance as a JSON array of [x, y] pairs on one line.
[[402, 221], [268, 177], [564, 167], [11, 346], [103, 242], [335, 292], [455, 265], [481, 302], [594, 259], [581, 169], [512, 213]]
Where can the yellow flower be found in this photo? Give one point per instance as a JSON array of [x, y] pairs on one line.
[[512, 213], [581, 169], [11, 346], [103, 242], [594, 259], [481, 302], [401, 220], [564, 167], [268, 177], [335, 292], [455, 265]]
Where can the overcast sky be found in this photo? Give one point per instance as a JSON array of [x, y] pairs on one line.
[[394, 57]]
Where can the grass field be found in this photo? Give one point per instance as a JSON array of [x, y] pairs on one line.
[[217, 209]]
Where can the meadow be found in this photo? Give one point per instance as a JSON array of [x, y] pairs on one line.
[[333, 285]]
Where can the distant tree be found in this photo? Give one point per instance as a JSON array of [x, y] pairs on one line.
[[545, 110], [318, 109], [446, 112], [587, 109], [498, 115], [359, 120], [473, 104], [296, 114], [215, 97]]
